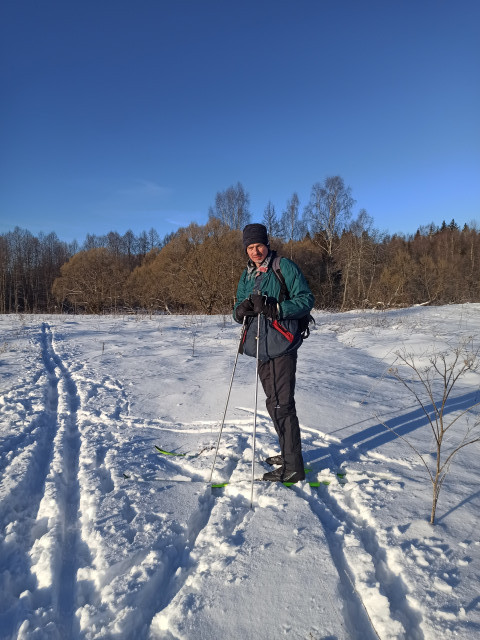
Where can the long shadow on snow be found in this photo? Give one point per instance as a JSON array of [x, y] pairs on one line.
[[378, 435], [460, 504]]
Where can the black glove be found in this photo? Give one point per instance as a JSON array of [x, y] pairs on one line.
[[245, 308], [257, 302], [267, 306]]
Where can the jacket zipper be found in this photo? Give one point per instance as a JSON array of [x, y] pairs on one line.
[[286, 334]]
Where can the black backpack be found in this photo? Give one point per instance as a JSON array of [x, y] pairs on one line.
[[305, 321]]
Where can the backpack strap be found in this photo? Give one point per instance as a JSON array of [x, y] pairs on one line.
[[306, 320], [284, 295]]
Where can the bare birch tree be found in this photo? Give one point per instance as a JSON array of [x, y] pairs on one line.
[[437, 379], [329, 211], [232, 207]]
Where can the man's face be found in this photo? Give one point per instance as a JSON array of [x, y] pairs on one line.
[[257, 252]]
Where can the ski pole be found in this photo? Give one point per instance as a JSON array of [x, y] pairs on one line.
[[255, 413], [228, 397]]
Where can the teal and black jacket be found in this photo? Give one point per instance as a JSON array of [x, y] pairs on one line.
[[283, 335]]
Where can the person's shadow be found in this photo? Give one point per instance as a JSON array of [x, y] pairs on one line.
[[379, 434]]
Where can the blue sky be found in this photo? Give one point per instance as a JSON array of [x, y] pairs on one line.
[[121, 115]]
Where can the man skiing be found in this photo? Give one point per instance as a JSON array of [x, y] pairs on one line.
[[282, 300]]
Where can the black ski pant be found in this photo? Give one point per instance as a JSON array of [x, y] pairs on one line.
[[278, 380]]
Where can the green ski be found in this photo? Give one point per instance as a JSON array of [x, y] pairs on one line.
[[221, 485], [169, 453], [214, 485]]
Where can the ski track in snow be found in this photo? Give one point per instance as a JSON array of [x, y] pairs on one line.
[[44, 551], [89, 554], [199, 541], [350, 539], [60, 539], [47, 548], [216, 531], [60, 450], [346, 529], [174, 570], [67, 488]]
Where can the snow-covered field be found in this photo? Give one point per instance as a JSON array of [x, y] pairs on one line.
[[101, 536]]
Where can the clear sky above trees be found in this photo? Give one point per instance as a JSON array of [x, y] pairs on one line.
[[131, 115]]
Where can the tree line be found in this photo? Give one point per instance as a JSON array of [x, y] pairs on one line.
[[29, 265], [348, 263]]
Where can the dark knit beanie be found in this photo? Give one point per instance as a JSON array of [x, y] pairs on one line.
[[255, 234]]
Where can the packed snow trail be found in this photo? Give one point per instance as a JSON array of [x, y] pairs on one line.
[[26, 459], [358, 554], [56, 551], [89, 554], [251, 588], [68, 489], [40, 495]]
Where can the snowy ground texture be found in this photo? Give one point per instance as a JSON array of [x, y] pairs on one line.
[[86, 552]]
